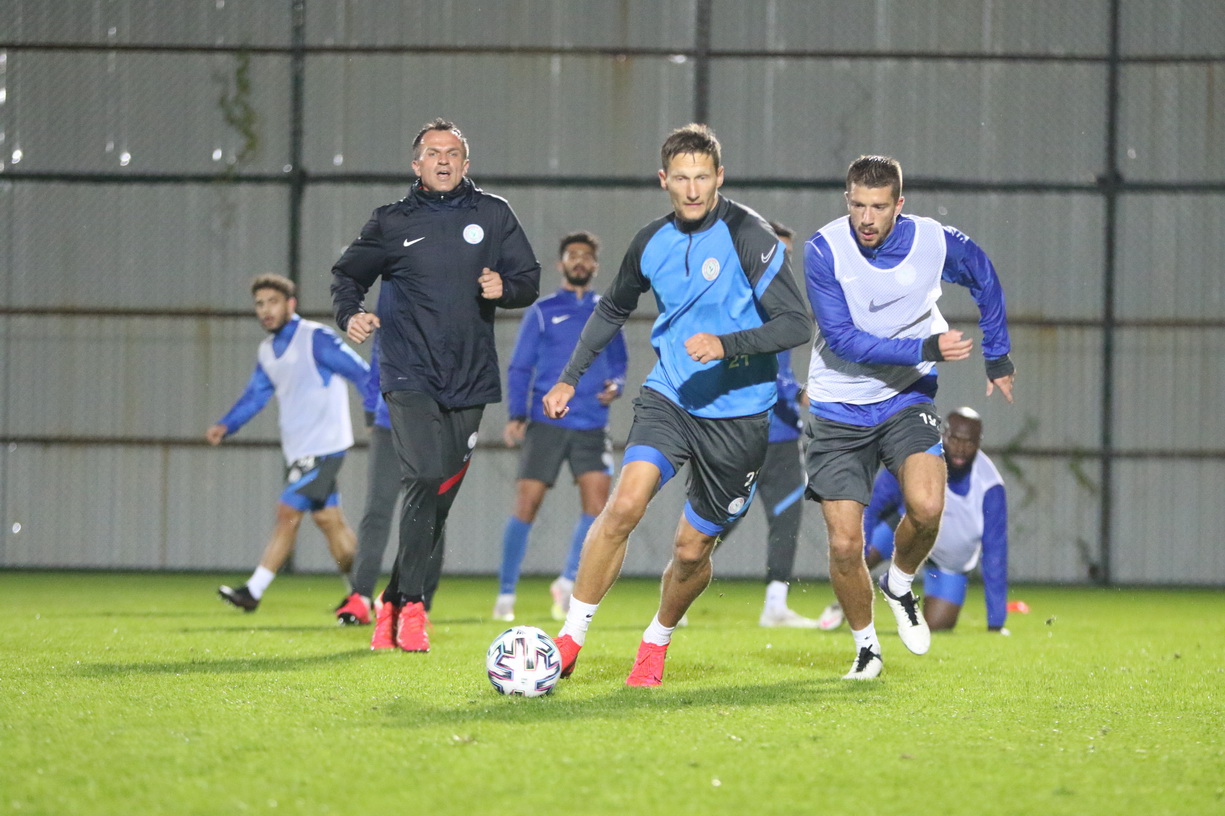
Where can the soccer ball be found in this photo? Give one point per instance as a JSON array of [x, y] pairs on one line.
[[523, 661]]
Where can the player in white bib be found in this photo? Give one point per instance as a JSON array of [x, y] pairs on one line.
[[873, 279], [973, 530], [298, 362]]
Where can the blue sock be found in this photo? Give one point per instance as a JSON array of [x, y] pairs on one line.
[[514, 547], [576, 545]]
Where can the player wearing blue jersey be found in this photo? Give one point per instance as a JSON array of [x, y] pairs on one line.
[[873, 279], [548, 334], [781, 485], [298, 362], [727, 305], [973, 529]]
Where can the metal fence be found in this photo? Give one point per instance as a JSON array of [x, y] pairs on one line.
[[154, 155]]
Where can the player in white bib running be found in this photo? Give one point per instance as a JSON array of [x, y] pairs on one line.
[[973, 530], [298, 362], [873, 279]]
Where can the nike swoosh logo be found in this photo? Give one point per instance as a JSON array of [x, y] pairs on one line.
[[766, 256], [914, 322], [409, 243], [559, 318], [876, 307]]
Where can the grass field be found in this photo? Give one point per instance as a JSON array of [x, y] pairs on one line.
[[142, 694]]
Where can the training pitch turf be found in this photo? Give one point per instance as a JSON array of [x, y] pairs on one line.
[[143, 694]]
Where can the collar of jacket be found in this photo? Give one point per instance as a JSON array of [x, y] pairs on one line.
[[465, 194], [708, 221]]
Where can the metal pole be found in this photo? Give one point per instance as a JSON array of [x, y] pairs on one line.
[[701, 70], [1111, 182], [297, 174]]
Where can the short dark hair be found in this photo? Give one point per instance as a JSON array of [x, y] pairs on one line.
[[580, 237], [280, 283], [438, 123], [782, 230], [692, 138], [876, 171]]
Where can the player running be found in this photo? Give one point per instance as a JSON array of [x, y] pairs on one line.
[[727, 305], [873, 279]]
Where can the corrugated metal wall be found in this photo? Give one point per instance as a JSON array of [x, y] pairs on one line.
[[147, 172]]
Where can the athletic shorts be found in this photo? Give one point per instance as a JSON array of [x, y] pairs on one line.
[[945, 585], [310, 482], [842, 459], [724, 456], [546, 446]]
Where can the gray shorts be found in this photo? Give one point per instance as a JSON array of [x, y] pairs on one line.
[[724, 456], [546, 446], [842, 460]]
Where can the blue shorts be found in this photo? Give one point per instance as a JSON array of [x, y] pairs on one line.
[[310, 483], [947, 586]]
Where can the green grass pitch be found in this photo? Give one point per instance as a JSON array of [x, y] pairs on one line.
[[143, 694]]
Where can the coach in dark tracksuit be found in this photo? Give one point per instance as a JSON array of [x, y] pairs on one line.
[[449, 255]]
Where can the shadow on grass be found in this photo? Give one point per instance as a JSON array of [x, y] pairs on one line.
[[231, 665], [624, 701], [273, 628]]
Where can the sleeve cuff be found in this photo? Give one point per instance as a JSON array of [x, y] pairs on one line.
[[931, 350], [999, 367]]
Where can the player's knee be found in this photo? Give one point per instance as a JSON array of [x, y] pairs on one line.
[[287, 516], [328, 519], [924, 512], [846, 550], [622, 515]]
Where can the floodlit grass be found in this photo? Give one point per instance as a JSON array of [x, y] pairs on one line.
[[143, 694]]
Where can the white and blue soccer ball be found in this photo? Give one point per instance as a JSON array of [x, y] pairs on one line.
[[523, 661]]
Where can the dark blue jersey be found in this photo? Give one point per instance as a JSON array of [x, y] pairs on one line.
[[437, 330], [548, 334]]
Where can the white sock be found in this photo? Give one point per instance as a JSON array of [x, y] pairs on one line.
[[866, 637], [578, 618], [899, 582], [776, 595], [505, 598], [259, 581], [657, 633]]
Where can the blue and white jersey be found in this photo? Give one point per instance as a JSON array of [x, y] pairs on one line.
[[974, 526], [547, 335], [728, 275], [892, 302], [298, 364], [875, 306]]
